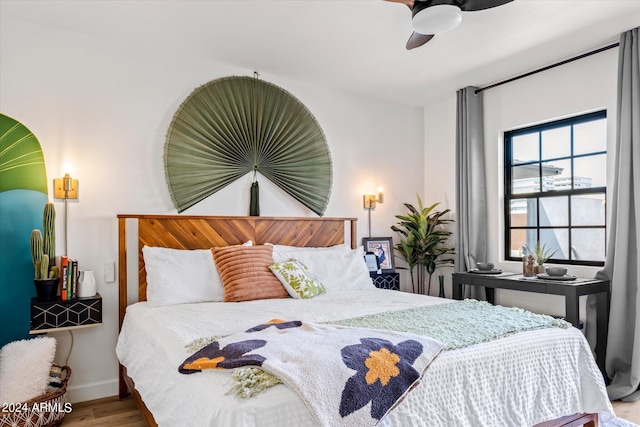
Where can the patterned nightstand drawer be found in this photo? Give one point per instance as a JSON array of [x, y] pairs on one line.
[[386, 280], [81, 312]]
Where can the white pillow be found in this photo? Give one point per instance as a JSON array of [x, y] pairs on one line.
[[337, 267], [180, 276], [176, 276], [24, 369]]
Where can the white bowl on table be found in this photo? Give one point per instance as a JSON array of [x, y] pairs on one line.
[[484, 266], [556, 271]]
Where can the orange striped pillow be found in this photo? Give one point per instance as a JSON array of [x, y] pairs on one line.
[[245, 273]]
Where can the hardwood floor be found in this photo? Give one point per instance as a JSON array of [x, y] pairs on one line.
[[629, 411], [107, 412], [112, 412]]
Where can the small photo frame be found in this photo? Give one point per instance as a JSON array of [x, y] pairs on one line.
[[383, 248]]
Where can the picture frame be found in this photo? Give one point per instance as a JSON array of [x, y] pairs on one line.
[[383, 248]]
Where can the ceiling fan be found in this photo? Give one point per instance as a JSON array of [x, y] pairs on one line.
[[430, 17]]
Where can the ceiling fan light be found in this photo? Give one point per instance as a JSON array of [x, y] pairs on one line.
[[437, 19]]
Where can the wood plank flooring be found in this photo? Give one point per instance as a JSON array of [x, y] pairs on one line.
[[629, 411], [107, 412], [112, 412]]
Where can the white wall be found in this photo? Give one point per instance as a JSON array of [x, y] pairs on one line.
[[101, 111], [439, 171], [582, 86]]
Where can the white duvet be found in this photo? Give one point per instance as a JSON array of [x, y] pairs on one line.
[[519, 380]]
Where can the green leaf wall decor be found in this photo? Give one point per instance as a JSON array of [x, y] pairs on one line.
[[23, 194], [21, 158], [237, 125]]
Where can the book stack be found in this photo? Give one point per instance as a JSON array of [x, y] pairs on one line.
[[68, 278]]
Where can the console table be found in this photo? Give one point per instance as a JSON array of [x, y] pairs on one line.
[[571, 290]]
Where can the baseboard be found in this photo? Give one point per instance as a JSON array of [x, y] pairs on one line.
[[92, 391]]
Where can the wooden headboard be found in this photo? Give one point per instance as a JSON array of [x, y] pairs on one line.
[[204, 232]]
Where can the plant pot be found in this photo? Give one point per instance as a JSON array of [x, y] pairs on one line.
[[47, 289]]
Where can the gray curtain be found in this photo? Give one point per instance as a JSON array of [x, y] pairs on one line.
[[471, 194], [621, 266]]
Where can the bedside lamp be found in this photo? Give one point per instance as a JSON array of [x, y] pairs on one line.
[[369, 202], [65, 188]]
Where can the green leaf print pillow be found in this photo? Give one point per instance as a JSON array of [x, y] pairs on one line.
[[297, 279]]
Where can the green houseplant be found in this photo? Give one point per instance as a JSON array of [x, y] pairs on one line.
[[542, 255], [423, 241], [43, 256]]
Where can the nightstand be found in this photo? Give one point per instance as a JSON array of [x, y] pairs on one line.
[[386, 280], [59, 315]]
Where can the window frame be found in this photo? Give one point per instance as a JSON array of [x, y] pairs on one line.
[[542, 194]]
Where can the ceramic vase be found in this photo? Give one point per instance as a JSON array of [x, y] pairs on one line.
[[441, 282], [86, 284]]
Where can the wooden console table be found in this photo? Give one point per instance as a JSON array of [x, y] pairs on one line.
[[571, 290]]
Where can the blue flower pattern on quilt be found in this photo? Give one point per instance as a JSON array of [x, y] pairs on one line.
[[384, 372], [233, 355], [278, 323]]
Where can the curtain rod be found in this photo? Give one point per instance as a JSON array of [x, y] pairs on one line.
[[557, 64]]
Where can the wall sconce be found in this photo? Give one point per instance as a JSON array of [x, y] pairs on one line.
[[65, 188], [369, 201]]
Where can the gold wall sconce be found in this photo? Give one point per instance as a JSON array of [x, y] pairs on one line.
[[65, 188], [369, 201]]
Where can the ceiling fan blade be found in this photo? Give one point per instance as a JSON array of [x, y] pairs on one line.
[[473, 5], [417, 40], [409, 3]]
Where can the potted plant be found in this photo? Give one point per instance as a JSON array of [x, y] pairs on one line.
[[423, 241], [43, 256], [542, 255]]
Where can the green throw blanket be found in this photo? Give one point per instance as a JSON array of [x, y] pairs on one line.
[[458, 324]]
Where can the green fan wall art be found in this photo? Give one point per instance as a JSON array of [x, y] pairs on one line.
[[233, 126]]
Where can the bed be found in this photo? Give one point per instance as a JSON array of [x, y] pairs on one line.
[[523, 379]]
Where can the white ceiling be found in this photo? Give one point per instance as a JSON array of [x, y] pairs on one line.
[[355, 45]]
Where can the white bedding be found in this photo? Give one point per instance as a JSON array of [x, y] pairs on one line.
[[520, 380]]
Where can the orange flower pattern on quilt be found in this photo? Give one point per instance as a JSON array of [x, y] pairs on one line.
[[382, 366]]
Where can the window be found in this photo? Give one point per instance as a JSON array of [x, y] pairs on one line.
[[555, 189]]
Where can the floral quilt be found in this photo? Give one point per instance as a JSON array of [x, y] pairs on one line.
[[344, 375]]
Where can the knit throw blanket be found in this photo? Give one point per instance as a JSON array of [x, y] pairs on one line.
[[345, 375], [458, 324]]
